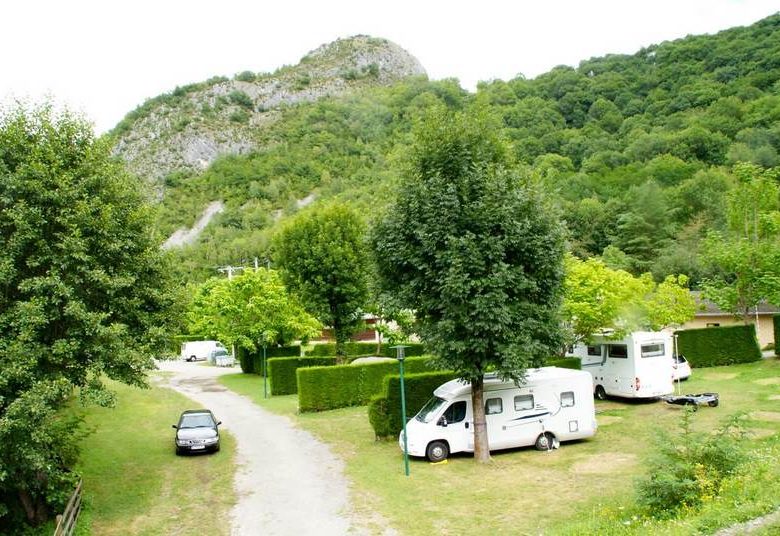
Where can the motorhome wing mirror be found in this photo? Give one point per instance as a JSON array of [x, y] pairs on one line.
[[442, 421]]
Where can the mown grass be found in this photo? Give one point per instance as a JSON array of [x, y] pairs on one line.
[[583, 488], [133, 481]]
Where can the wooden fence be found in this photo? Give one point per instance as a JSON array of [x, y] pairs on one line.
[[66, 523]]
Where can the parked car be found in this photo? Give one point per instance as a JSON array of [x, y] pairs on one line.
[[221, 358], [197, 431], [681, 369]]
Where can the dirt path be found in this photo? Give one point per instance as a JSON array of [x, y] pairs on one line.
[[287, 481]]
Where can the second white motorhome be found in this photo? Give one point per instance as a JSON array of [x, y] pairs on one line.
[[553, 405], [637, 366], [197, 350]]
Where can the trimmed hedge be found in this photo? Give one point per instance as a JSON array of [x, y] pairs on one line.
[[710, 347], [776, 322], [245, 360], [564, 362], [323, 388], [281, 371], [384, 410], [362, 349]]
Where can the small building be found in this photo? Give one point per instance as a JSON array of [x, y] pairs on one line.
[[709, 315]]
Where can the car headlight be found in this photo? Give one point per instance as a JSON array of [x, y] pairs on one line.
[[212, 440]]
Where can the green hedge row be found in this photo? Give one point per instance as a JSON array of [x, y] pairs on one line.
[[245, 360], [281, 371], [564, 362], [776, 321], [384, 410], [323, 388], [710, 347], [358, 349]]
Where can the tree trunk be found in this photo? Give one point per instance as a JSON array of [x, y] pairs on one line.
[[481, 447], [34, 508]]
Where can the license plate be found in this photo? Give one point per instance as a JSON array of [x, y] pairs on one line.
[[197, 447]]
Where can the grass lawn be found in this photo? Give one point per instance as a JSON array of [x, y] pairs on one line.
[[133, 481], [523, 491]]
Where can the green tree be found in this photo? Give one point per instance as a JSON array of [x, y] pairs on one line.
[[744, 263], [84, 293], [597, 297], [475, 252], [323, 257], [251, 310]]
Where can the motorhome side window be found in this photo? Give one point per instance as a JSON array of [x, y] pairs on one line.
[[652, 350], [595, 350], [456, 412], [567, 399], [618, 350], [523, 402], [493, 406]]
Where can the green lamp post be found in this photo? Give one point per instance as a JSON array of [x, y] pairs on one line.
[[401, 356]]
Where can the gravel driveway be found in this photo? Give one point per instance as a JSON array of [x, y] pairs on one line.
[[287, 482]]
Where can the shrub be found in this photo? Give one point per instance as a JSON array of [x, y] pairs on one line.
[[564, 362], [709, 347], [384, 410], [239, 116], [323, 388], [282, 371], [688, 467], [276, 351], [241, 99], [245, 76], [245, 360], [776, 323]]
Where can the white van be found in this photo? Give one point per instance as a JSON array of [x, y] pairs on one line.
[[197, 350], [638, 366], [553, 405]]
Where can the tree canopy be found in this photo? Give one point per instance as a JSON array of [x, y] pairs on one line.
[[323, 257], [250, 310], [84, 290], [475, 251]]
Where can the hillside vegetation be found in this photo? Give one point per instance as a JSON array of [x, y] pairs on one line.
[[637, 149]]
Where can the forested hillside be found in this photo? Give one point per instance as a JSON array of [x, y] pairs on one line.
[[639, 150]]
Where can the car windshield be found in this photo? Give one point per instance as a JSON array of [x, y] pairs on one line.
[[430, 409], [196, 420]]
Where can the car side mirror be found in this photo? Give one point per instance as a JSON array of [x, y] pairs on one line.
[[220, 422], [174, 426], [442, 422]]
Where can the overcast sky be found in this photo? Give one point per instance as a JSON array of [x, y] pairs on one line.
[[104, 58]]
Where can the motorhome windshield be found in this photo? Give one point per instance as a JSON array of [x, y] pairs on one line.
[[430, 409]]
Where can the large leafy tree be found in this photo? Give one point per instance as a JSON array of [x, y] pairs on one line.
[[83, 296], [475, 251], [252, 309], [324, 259], [744, 261], [597, 298]]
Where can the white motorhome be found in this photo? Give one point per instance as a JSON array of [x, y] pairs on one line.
[[197, 350], [553, 405], [637, 366]]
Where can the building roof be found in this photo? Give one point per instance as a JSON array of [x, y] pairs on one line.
[[705, 307]]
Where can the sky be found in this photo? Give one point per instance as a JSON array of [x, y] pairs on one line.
[[104, 58]]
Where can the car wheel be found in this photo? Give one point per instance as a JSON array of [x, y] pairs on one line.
[[179, 452], [437, 451], [600, 393], [544, 441], [192, 358], [713, 403]]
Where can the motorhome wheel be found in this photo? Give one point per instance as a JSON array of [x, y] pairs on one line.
[[544, 441], [437, 451], [601, 394]]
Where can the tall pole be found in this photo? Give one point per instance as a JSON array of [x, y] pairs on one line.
[[265, 376], [400, 356]]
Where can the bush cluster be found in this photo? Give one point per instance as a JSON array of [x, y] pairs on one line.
[[689, 467], [710, 347], [282, 371], [384, 410], [324, 388], [362, 349]]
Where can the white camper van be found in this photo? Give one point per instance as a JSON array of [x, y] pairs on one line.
[[554, 404], [196, 350], [638, 366]]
